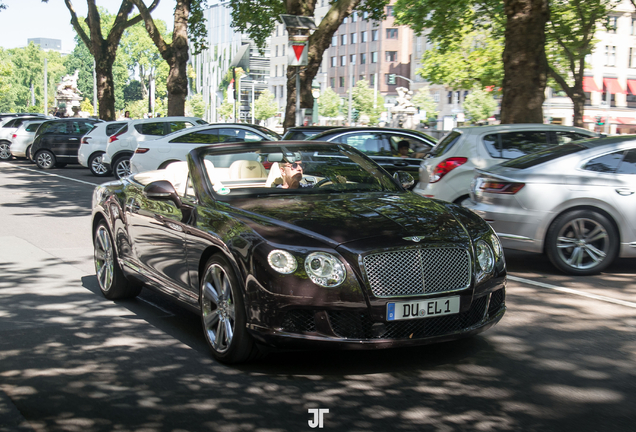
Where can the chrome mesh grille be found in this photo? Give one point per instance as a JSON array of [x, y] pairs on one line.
[[417, 271]]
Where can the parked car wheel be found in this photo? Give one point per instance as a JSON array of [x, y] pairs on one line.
[[5, 153], [29, 156], [223, 314], [45, 159], [97, 167], [582, 242], [110, 277], [121, 167]]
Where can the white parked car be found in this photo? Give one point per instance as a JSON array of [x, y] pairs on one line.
[[93, 146], [22, 138], [122, 144], [157, 154], [447, 171], [8, 127]]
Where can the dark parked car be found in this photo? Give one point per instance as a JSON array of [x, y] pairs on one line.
[[304, 132], [57, 142], [381, 145], [349, 259]]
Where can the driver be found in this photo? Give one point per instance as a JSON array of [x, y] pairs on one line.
[[292, 174]]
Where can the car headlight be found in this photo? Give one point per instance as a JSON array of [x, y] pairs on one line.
[[325, 269], [282, 261], [485, 256], [496, 244]]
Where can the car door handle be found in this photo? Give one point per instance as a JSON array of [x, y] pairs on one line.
[[73, 139], [624, 191], [400, 163]]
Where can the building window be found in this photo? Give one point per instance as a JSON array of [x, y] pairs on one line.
[[390, 79], [274, 92], [374, 57], [282, 94], [353, 81], [436, 97], [365, 15], [334, 61], [363, 58], [342, 81], [372, 80], [283, 49], [633, 29], [354, 38], [346, 20], [389, 11], [332, 82], [334, 40], [612, 23], [276, 51], [343, 60], [363, 37], [343, 39], [354, 17], [610, 55], [374, 35], [632, 58], [450, 97], [352, 58], [362, 77], [391, 56], [391, 33]]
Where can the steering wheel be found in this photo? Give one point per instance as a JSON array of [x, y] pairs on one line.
[[323, 182]]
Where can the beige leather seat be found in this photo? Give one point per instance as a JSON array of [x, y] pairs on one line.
[[274, 178], [247, 169], [177, 174]]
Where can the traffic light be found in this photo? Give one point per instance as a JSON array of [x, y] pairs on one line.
[[599, 120], [355, 114]]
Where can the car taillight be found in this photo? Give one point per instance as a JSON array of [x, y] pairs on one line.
[[501, 187], [84, 141], [141, 150], [446, 166], [14, 136], [112, 138]]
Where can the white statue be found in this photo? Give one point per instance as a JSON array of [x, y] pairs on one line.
[[404, 98]]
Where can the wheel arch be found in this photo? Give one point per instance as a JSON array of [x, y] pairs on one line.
[[120, 154], [589, 207], [168, 162]]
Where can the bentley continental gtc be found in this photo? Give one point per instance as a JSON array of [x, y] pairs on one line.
[[298, 244]]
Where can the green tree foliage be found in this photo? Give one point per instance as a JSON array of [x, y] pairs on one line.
[[362, 101], [133, 92], [265, 107], [226, 109], [86, 106], [570, 35], [425, 102], [195, 106], [258, 19], [479, 105], [329, 103], [475, 59]]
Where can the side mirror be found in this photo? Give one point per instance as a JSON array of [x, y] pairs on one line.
[[162, 190], [405, 179]]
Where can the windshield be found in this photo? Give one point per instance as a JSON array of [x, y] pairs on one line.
[[543, 156], [294, 169]]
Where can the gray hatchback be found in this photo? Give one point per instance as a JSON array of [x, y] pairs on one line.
[[575, 202]]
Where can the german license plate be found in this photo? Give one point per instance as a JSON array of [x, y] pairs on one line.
[[422, 308]]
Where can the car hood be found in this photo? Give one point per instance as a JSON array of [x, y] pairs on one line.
[[337, 220]]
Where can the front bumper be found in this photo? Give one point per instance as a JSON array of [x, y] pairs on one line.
[[355, 329]]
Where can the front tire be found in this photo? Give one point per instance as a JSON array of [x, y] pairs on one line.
[[582, 242], [44, 159], [96, 166], [5, 152], [223, 314], [121, 167], [112, 282]]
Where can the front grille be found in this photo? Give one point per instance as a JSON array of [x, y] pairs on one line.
[[417, 271], [298, 321], [357, 325], [496, 300]]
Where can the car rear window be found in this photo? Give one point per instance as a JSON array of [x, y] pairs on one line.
[[156, 128], [607, 163], [543, 156], [208, 136], [32, 127], [446, 144], [114, 127], [512, 145]]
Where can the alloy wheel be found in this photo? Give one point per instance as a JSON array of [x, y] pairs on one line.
[[44, 160], [218, 308], [122, 168], [104, 258], [5, 153], [583, 243], [97, 166]]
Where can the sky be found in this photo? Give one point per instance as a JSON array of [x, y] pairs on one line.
[[24, 19]]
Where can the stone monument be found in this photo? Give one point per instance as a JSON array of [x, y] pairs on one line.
[[404, 111], [68, 96]]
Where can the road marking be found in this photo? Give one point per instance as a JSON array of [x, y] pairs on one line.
[[572, 291], [55, 175]]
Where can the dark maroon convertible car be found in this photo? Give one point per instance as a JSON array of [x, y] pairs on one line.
[[298, 244]]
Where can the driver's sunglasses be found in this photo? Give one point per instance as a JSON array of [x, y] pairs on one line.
[[295, 165]]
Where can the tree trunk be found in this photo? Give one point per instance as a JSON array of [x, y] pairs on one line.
[[105, 89], [525, 63], [318, 42], [575, 93]]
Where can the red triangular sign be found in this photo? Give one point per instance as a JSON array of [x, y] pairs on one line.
[[298, 50]]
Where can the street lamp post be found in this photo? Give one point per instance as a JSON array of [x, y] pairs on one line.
[[406, 79]]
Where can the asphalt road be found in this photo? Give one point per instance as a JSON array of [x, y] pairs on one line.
[[563, 358]]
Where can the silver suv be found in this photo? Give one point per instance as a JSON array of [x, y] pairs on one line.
[[122, 145], [447, 170]]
